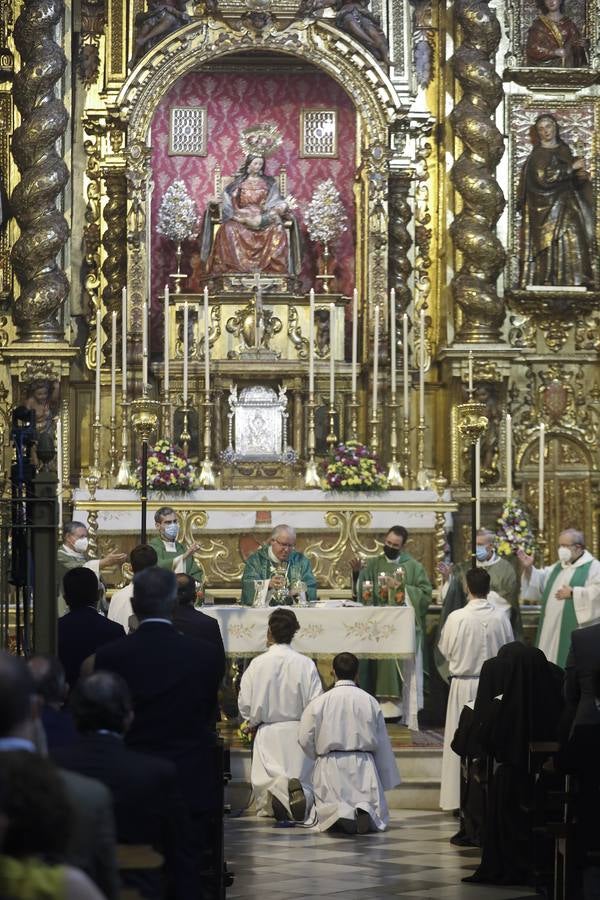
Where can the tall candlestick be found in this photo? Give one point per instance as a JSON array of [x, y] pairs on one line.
[[405, 363], [354, 338], [98, 363], [144, 346], [206, 343], [59, 472], [508, 456], [185, 352], [422, 365], [166, 343], [375, 358], [478, 484], [113, 365], [124, 342], [331, 355], [470, 372], [311, 343], [393, 341], [541, 479]]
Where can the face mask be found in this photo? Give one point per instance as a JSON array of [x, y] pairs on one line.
[[391, 552], [481, 553], [80, 545], [564, 554], [171, 531]]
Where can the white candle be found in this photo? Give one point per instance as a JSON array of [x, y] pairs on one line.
[[124, 342], [508, 456], [478, 483], [331, 355], [393, 341], [185, 352], [144, 345], [470, 371], [166, 344], [541, 479], [354, 338], [98, 362], [375, 358], [206, 343], [59, 472], [422, 365], [113, 365], [311, 343], [405, 363]]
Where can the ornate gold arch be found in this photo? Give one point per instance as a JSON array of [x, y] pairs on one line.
[[335, 53]]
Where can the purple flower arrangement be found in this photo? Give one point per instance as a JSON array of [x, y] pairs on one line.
[[168, 470], [354, 467]]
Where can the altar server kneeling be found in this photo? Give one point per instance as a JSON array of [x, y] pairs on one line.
[[344, 731], [276, 688]]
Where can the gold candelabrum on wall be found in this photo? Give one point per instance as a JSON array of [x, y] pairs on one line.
[[472, 422]]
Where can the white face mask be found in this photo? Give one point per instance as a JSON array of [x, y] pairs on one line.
[[81, 545], [564, 554]]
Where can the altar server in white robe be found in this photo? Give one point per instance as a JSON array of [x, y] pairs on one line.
[[275, 690], [470, 636], [344, 731]]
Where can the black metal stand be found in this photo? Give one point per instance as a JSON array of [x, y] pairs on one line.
[[474, 487], [144, 491]]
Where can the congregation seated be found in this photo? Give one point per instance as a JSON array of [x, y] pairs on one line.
[[83, 629], [149, 808], [120, 609], [275, 690], [51, 687], [344, 731], [90, 839]]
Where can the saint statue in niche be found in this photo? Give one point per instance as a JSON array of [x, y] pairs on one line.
[[554, 39], [556, 204], [43, 396]]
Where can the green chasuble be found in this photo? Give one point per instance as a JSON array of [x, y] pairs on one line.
[[568, 621], [381, 677], [166, 557], [260, 567], [64, 563]]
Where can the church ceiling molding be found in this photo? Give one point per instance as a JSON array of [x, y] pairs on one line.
[[331, 51]]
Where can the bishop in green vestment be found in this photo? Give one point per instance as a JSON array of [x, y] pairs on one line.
[[382, 677], [171, 554], [272, 574]]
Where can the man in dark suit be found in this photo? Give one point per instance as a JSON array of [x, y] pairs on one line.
[[583, 663], [191, 621], [82, 630], [91, 844], [174, 692], [149, 807], [52, 689]]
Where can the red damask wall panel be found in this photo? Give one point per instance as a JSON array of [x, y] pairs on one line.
[[234, 102]]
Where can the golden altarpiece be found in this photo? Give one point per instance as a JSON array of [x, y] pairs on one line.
[[432, 125]]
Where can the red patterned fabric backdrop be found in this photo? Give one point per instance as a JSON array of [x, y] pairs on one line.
[[234, 102]]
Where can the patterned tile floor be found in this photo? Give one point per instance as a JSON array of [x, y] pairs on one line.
[[412, 859]]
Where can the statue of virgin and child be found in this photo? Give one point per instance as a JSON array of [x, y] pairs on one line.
[[258, 231]]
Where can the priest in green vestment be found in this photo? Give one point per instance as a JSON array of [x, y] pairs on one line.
[[379, 584], [171, 553], [73, 555], [277, 574]]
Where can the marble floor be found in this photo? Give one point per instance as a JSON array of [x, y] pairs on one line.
[[412, 859]]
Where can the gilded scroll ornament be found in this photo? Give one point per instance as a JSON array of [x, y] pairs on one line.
[[44, 230], [320, 553], [483, 256]]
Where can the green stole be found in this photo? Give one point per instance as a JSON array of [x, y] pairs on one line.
[[568, 622]]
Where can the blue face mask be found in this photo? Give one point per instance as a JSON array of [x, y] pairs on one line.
[[481, 553], [171, 531]]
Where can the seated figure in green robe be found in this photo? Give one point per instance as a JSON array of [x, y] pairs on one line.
[[171, 553], [277, 574], [381, 584]]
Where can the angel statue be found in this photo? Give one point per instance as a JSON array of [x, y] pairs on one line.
[[258, 232], [356, 19]]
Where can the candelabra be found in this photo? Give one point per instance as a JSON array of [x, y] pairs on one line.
[[311, 476], [166, 418], [124, 473], [185, 436], [394, 475], [93, 480], [440, 484], [472, 422], [353, 418], [374, 430], [144, 416], [207, 476], [406, 450], [423, 482], [113, 452], [331, 437]]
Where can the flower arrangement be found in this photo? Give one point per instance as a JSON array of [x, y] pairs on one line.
[[514, 531], [246, 733], [354, 468], [178, 217], [325, 215], [168, 470]]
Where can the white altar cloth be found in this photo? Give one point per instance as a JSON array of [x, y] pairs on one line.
[[371, 632]]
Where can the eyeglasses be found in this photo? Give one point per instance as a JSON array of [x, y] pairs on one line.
[[281, 544]]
